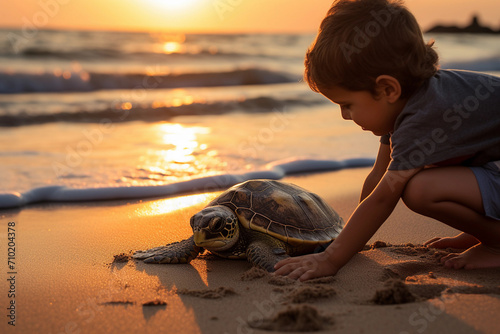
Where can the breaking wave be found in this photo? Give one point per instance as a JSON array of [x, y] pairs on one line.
[[66, 81], [276, 170]]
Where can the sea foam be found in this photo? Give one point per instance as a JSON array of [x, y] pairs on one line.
[[275, 171]]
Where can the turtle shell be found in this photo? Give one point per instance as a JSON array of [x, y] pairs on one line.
[[283, 210]]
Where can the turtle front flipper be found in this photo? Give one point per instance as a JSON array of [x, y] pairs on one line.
[[266, 253], [178, 252]]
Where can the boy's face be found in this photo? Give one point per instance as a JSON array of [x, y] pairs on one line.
[[370, 113]]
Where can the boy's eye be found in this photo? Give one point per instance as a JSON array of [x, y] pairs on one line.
[[345, 106]]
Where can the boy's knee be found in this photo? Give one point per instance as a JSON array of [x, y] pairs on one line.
[[416, 193]]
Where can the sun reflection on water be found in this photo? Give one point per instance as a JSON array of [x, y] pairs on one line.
[[170, 43], [176, 98], [184, 141], [169, 205], [171, 47], [174, 152]]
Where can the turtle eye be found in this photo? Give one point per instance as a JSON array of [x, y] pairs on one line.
[[217, 224]]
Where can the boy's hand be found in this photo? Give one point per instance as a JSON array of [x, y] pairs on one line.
[[362, 225], [306, 267]]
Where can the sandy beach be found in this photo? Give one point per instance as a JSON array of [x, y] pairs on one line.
[[66, 280]]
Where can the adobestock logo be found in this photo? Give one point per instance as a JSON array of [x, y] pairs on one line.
[[225, 6], [30, 27]]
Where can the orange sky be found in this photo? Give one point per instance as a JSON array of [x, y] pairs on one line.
[[215, 15]]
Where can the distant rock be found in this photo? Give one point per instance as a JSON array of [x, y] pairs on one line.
[[473, 28]]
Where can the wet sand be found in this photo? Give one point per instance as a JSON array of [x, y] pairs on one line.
[[68, 281]]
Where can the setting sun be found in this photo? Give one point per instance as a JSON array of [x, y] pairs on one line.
[[172, 5]]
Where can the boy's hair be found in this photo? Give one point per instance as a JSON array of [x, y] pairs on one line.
[[359, 40]]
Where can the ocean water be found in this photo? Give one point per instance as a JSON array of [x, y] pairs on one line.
[[102, 115]]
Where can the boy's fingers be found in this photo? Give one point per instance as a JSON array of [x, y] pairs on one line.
[[297, 273], [282, 263], [281, 271], [292, 269], [286, 269], [307, 276], [289, 260]]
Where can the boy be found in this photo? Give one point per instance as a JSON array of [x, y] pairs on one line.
[[443, 128]]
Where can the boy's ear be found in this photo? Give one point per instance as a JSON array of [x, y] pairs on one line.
[[388, 87]]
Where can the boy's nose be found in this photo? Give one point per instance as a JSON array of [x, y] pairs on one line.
[[345, 115]]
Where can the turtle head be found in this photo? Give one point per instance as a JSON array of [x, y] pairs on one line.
[[215, 228]]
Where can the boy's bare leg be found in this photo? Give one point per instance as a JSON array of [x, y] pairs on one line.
[[452, 196]]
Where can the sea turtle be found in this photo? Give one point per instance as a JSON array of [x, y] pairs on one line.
[[263, 221]]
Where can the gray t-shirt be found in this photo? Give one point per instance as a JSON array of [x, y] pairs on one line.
[[453, 119]]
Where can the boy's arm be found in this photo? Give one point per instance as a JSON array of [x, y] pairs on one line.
[[364, 222], [378, 170]]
